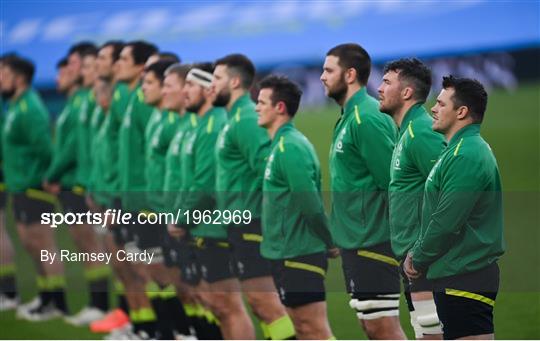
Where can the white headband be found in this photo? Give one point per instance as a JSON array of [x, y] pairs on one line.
[[200, 77]]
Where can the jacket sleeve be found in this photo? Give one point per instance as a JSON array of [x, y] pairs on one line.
[[300, 173], [201, 193], [253, 142], [65, 154], [458, 195]]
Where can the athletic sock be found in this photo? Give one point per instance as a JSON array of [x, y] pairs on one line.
[[56, 285], [121, 297], [98, 280], [43, 290], [7, 280], [174, 310], [281, 329]]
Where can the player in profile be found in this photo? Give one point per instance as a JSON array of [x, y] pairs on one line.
[[241, 149], [360, 155], [296, 235], [462, 216], [26, 151]]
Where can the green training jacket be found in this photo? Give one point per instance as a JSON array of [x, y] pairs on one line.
[[293, 219], [198, 164], [131, 152], [63, 168], [417, 151], [462, 216], [26, 142], [360, 156], [241, 152]]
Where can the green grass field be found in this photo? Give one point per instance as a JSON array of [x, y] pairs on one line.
[[511, 127]]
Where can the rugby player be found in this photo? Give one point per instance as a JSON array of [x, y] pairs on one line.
[[296, 235], [462, 216], [402, 93], [26, 150], [241, 151], [360, 155]]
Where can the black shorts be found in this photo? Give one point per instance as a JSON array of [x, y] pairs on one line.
[[300, 280], [73, 201], [171, 248], [246, 256], [122, 234], [465, 302], [189, 267], [29, 205], [214, 258], [372, 280], [148, 236]]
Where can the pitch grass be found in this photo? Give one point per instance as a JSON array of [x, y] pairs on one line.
[[511, 127]]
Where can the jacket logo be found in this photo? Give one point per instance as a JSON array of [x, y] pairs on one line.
[[268, 169], [339, 143]]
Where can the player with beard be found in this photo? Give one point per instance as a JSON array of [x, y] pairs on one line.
[[219, 288], [26, 150], [9, 297], [241, 151], [360, 155], [402, 93]]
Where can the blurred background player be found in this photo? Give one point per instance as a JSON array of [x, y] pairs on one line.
[[219, 288], [66, 179], [26, 147], [296, 234], [404, 89], [9, 298], [242, 149], [360, 155]]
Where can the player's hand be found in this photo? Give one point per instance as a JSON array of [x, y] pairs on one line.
[[409, 269], [333, 252], [53, 188], [91, 203], [176, 232]]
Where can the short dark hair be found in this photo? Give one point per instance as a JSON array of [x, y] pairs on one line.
[[181, 70], [468, 92], [240, 65], [158, 68], [141, 50], [354, 56], [83, 48], [283, 90], [63, 62], [117, 47], [169, 56], [21, 66], [413, 72]]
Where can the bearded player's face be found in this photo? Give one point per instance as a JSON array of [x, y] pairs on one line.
[[333, 79], [220, 86]]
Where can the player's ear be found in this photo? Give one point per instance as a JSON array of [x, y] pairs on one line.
[[281, 107], [236, 82], [350, 75], [463, 112], [407, 93]]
